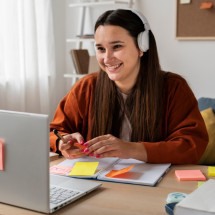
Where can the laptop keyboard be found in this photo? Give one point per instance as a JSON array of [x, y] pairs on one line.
[[58, 194]]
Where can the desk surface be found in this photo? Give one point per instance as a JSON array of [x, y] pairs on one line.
[[122, 199]]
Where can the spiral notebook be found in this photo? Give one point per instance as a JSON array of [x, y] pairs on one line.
[[141, 173]]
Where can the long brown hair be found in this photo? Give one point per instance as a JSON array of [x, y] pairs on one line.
[[143, 105]]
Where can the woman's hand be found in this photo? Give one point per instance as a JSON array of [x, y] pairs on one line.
[[68, 148], [110, 146]]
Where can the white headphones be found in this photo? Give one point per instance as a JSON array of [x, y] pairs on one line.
[[143, 37]]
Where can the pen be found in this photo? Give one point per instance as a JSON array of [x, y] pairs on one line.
[[59, 136], [78, 145]]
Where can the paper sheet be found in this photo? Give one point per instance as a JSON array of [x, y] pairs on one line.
[[200, 201]]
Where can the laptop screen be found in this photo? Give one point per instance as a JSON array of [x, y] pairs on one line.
[[24, 180]]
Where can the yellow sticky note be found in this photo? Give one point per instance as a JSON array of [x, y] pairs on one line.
[[84, 169], [200, 183], [211, 171]]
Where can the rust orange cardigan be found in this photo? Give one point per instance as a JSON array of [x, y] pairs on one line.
[[185, 133]]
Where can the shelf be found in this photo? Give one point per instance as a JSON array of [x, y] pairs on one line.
[[89, 4], [74, 75]]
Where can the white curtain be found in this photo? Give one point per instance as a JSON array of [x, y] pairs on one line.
[[27, 56]]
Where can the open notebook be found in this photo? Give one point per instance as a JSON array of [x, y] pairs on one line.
[[24, 166], [141, 173]]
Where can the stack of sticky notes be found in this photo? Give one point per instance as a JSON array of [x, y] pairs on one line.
[[190, 175], [211, 171]]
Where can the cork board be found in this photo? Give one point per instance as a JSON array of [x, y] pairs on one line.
[[194, 23]]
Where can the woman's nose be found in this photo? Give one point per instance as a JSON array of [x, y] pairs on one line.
[[108, 56]]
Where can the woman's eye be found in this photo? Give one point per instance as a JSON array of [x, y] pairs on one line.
[[117, 46], [101, 49]]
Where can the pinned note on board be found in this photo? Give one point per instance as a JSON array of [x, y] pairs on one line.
[[84, 168], [185, 1], [206, 5], [114, 173], [1, 154]]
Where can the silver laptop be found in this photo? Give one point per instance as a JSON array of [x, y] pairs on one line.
[[25, 180]]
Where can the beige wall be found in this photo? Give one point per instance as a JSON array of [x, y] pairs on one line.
[[192, 59]]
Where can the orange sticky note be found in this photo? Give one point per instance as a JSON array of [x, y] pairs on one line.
[[206, 5], [1, 154], [190, 175], [114, 173], [78, 145]]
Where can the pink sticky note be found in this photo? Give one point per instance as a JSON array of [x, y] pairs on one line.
[[1, 154], [190, 175], [60, 170]]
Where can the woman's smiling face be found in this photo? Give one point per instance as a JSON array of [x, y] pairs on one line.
[[118, 55]]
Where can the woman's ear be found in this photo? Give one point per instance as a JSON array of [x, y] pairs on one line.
[[141, 54]]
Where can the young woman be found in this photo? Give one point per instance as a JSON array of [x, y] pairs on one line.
[[130, 108]]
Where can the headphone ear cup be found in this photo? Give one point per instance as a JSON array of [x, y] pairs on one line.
[[143, 40]]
